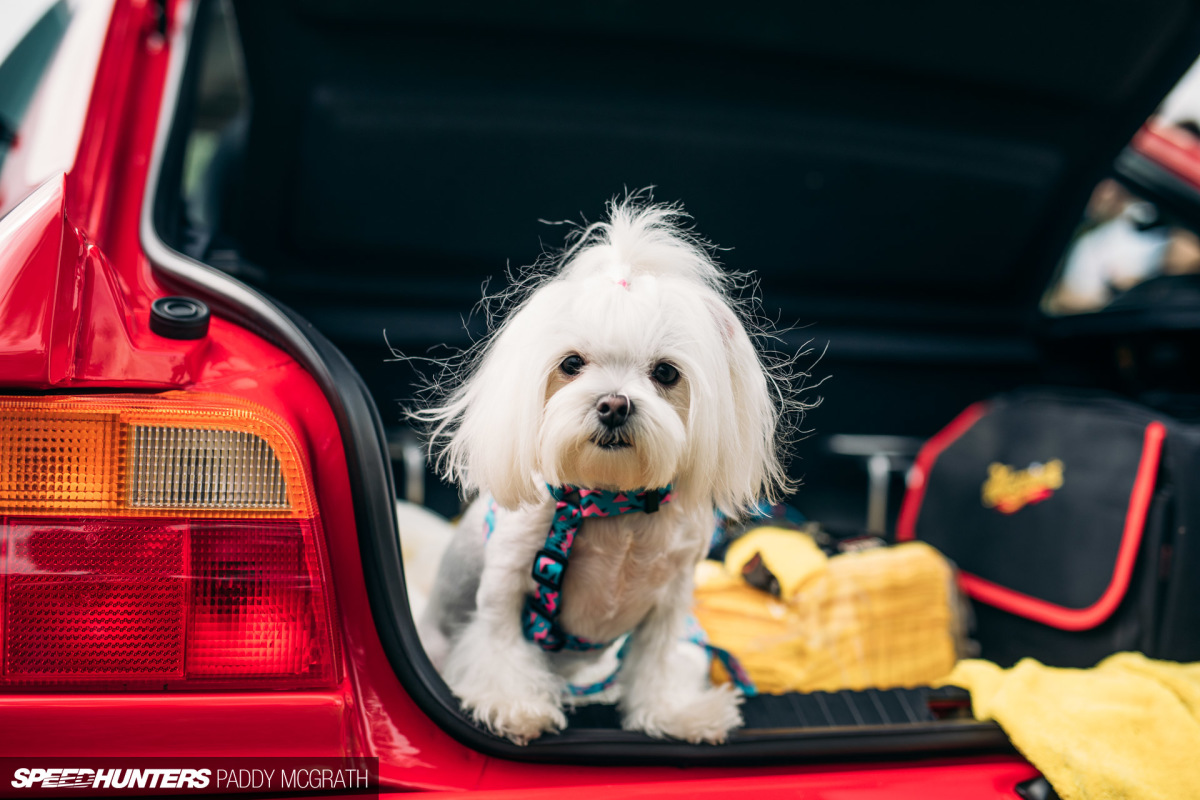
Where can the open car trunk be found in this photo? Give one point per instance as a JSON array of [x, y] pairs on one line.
[[903, 184]]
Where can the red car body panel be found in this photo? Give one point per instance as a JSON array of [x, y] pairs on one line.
[[936, 781], [75, 293], [65, 320]]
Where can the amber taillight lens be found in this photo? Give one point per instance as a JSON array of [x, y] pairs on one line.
[[159, 542]]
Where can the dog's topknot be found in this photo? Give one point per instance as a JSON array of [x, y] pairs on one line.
[[641, 237]]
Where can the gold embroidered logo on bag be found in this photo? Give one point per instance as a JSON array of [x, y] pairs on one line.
[[1008, 490]]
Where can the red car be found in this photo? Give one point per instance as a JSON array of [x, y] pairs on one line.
[[198, 549]]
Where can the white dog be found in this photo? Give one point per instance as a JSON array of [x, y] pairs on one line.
[[628, 368]]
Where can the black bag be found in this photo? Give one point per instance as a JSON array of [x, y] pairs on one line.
[[1072, 517]]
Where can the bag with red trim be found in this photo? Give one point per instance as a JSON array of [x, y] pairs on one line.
[[1068, 515]]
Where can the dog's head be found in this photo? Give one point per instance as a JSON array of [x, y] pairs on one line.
[[628, 368]]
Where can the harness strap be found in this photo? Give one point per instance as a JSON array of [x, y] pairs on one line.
[[539, 617], [737, 673]]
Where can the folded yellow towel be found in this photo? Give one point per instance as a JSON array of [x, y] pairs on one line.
[[1128, 728], [879, 618]]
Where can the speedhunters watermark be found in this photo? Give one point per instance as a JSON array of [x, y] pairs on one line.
[[84, 778], [62, 777]]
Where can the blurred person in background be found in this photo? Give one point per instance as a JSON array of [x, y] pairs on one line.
[[1123, 241]]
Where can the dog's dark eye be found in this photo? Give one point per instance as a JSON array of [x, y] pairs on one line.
[[572, 365], [666, 374]]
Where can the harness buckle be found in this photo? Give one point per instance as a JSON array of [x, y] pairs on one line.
[[549, 573]]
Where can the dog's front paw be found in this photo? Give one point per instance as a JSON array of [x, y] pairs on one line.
[[520, 720], [510, 695], [505, 685], [704, 717]]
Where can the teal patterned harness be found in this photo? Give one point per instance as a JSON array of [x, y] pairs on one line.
[[539, 617]]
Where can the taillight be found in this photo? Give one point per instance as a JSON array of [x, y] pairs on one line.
[[168, 541]]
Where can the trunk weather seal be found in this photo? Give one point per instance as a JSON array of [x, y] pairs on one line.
[[375, 518]]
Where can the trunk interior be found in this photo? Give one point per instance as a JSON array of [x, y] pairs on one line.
[[901, 188]]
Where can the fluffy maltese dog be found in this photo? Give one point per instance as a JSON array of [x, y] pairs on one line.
[[616, 406]]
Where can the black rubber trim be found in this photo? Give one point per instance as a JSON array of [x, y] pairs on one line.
[[179, 318], [371, 483]]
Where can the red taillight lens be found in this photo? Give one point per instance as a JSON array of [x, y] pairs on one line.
[[90, 599], [258, 605], [201, 560]]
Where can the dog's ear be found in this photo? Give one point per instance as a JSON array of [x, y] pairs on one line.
[[748, 467], [485, 436]]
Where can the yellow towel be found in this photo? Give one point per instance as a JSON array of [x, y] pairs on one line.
[[1128, 728], [878, 618]]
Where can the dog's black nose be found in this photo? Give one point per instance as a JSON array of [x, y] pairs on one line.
[[613, 410]]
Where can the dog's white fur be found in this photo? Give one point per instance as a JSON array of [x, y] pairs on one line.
[[631, 293]]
